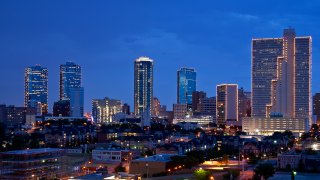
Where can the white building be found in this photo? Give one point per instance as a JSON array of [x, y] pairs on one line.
[[110, 155], [227, 103], [267, 126], [200, 120]]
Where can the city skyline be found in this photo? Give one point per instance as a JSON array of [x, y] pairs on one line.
[[281, 76], [206, 48]]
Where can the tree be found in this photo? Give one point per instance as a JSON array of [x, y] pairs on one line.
[[301, 165], [119, 168], [265, 170], [20, 141], [201, 174]]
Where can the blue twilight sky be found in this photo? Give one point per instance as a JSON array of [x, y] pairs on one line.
[[105, 37]]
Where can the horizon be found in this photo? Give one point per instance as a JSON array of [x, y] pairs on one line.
[[105, 42]]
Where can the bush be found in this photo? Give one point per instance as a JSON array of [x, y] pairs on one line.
[[235, 174], [159, 174], [119, 168], [202, 174], [264, 170]]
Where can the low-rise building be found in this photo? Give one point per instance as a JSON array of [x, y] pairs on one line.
[[268, 125], [150, 165], [43, 163], [201, 120], [111, 155]]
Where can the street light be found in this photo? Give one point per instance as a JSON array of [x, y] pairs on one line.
[[147, 166]]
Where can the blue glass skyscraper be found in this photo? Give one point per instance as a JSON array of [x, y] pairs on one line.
[[186, 85], [36, 88], [70, 77]]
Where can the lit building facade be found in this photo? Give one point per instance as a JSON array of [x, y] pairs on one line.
[[156, 107], [15, 116], [200, 120], [316, 106], [268, 125], [281, 76], [103, 110], [36, 89], [227, 103], [70, 77], [180, 111], [33, 164], [186, 85], [143, 85], [207, 106]]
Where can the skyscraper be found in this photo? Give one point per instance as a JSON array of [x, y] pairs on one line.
[[196, 98], [76, 101], [186, 84], [316, 106], [156, 107], [281, 76], [70, 77], [143, 86], [36, 89], [227, 103], [244, 105]]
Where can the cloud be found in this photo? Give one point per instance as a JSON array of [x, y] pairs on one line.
[[244, 17]]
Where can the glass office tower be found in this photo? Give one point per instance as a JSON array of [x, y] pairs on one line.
[[186, 85], [70, 77], [36, 88]]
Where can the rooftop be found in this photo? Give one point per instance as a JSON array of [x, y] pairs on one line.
[[31, 151], [157, 158]]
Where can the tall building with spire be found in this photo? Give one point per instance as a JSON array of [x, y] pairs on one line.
[[143, 86], [281, 76], [36, 88]]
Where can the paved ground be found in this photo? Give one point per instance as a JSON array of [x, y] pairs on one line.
[[300, 176], [174, 177]]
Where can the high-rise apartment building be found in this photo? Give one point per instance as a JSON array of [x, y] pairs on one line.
[[156, 107], [36, 89], [70, 77], [281, 76], [227, 103], [186, 85], [143, 86]]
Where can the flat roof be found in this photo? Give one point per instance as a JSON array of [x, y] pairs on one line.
[[31, 151], [157, 158]]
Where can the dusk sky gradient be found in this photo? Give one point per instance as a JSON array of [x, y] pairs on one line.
[[105, 37]]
